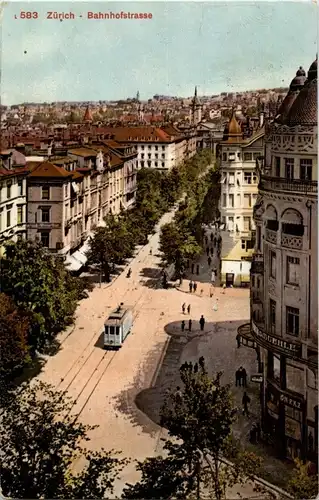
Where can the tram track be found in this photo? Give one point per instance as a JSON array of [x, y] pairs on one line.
[[109, 356]]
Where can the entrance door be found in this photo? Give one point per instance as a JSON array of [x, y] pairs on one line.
[[230, 279]]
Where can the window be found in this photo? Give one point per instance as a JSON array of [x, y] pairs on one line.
[[238, 156], [272, 224], [156, 148], [142, 155], [231, 200], [224, 156], [289, 168], [19, 214], [247, 177], [45, 193], [8, 218], [230, 223], [293, 229], [277, 166], [272, 316], [224, 200], [231, 157], [156, 164], [45, 217], [272, 260], [256, 155], [149, 147], [306, 170], [149, 163], [293, 270], [276, 368], [1, 211], [292, 321], [247, 200], [156, 155], [163, 148], [163, 155], [149, 155], [247, 223], [231, 179], [20, 188], [248, 156], [142, 163], [9, 184], [163, 164], [142, 147]]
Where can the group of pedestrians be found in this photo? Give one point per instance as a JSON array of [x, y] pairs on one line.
[[184, 308], [241, 377], [190, 321], [193, 268], [192, 286]]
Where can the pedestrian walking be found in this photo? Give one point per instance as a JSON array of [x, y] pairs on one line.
[[197, 269], [194, 286], [215, 241], [151, 251], [212, 251], [224, 288], [237, 377], [211, 291], [244, 376], [215, 308], [183, 325], [190, 286], [241, 375], [188, 309], [209, 260], [190, 325], [183, 308], [193, 265], [211, 236], [202, 322], [238, 340], [245, 402], [213, 278], [180, 281], [206, 239], [207, 251]]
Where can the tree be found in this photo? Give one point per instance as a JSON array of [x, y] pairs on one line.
[[39, 445], [177, 246], [303, 485], [111, 244], [14, 329], [39, 283], [199, 417]]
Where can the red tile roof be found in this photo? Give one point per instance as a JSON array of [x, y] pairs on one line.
[[47, 169]]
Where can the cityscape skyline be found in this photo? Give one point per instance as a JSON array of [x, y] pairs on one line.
[[68, 62]]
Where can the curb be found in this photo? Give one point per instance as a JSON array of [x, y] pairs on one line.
[[159, 363]]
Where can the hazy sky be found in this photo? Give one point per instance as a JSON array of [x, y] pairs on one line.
[[216, 46]]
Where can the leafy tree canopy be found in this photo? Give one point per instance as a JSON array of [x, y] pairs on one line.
[[302, 484], [39, 445]]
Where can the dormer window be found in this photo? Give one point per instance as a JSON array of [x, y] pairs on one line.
[[231, 156]]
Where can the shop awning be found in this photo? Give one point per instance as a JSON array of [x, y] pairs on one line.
[[245, 336], [72, 264], [78, 255]]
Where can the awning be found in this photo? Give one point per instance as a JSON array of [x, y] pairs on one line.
[[78, 255], [245, 336], [75, 187], [72, 264]]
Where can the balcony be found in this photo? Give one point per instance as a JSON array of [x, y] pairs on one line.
[[289, 241], [268, 183], [271, 236]]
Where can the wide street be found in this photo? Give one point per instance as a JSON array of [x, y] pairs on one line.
[[104, 384]]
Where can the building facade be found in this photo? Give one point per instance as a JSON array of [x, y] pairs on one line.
[[239, 188], [284, 274], [13, 199]]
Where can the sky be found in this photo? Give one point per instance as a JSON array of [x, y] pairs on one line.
[[218, 46]]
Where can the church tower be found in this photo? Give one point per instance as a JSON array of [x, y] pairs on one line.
[[196, 110]]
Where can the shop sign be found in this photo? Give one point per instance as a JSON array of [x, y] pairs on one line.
[[292, 428], [289, 347], [290, 401], [257, 378], [272, 410]]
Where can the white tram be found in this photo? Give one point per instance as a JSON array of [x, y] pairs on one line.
[[117, 327]]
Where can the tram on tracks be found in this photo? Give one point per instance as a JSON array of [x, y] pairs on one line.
[[117, 327]]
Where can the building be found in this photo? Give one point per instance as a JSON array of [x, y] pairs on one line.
[[196, 110], [13, 197], [239, 187], [284, 274], [161, 148]]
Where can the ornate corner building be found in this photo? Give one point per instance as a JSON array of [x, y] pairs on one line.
[[284, 274]]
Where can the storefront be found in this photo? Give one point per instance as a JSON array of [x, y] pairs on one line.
[[285, 420]]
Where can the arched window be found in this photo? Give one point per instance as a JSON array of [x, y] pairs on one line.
[[292, 222], [271, 217]]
